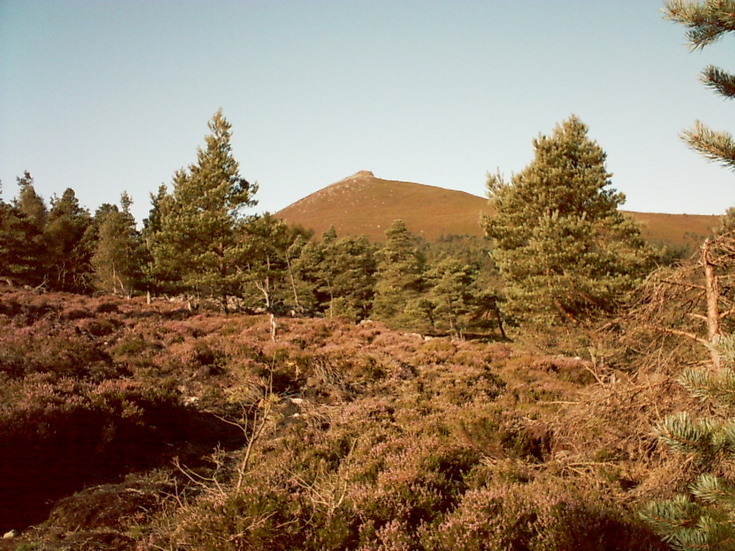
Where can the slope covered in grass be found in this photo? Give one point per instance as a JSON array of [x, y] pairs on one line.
[[363, 204]]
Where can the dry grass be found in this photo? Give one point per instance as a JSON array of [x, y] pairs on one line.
[[365, 205]]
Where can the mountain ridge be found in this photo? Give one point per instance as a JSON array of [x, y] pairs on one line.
[[363, 204]]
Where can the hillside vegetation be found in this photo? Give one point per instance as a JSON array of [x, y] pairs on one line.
[[134, 426], [363, 204], [219, 380]]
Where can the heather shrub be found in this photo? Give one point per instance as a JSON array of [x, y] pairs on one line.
[[248, 520], [135, 350], [438, 351], [498, 435], [331, 436], [97, 327], [26, 308], [9, 306], [403, 483], [60, 351], [541, 515], [73, 313], [56, 434], [107, 308]]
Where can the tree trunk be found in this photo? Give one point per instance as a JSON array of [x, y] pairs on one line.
[[712, 289]]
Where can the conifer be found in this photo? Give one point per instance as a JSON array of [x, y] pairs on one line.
[[562, 246], [399, 281], [704, 518], [23, 248], [69, 243], [117, 255], [336, 276], [194, 239], [707, 22]]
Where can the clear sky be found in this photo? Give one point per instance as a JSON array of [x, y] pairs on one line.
[[110, 96]]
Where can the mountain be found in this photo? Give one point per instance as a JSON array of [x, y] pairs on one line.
[[363, 204]]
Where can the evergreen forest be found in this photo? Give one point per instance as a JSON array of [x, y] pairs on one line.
[[212, 378]]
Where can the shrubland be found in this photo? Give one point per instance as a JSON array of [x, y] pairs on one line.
[[281, 399], [135, 426]]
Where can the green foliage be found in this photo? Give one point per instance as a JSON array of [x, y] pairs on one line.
[[30, 204], [265, 262], [727, 222], [117, 258], [22, 243], [398, 291], [564, 250], [336, 276], [192, 233], [704, 518], [706, 23], [69, 243], [451, 293]]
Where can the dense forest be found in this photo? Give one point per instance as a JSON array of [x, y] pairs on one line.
[[217, 379]]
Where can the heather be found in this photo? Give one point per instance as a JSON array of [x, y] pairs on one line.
[[134, 426]]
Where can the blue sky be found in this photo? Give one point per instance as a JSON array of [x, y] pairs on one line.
[[112, 96]]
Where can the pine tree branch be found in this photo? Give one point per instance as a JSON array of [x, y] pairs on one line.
[[720, 81], [683, 284], [686, 334], [715, 146], [706, 22]]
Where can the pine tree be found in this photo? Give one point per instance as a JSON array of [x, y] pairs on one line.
[[22, 244], [345, 276], [335, 277], [707, 22], [399, 285], [69, 244], [198, 223], [352, 265], [451, 294], [704, 519], [563, 248], [30, 203], [21, 258], [117, 255], [264, 263], [160, 276]]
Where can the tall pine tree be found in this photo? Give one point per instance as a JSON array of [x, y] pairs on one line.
[[23, 257], [264, 264], [198, 223], [117, 254], [704, 518], [336, 276], [399, 281], [69, 244], [562, 246], [30, 203]]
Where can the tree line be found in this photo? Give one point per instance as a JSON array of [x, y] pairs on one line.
[[200, 242], [558, 250]]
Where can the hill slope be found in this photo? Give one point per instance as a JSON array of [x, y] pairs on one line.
[[129, 426], [363, 204]]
